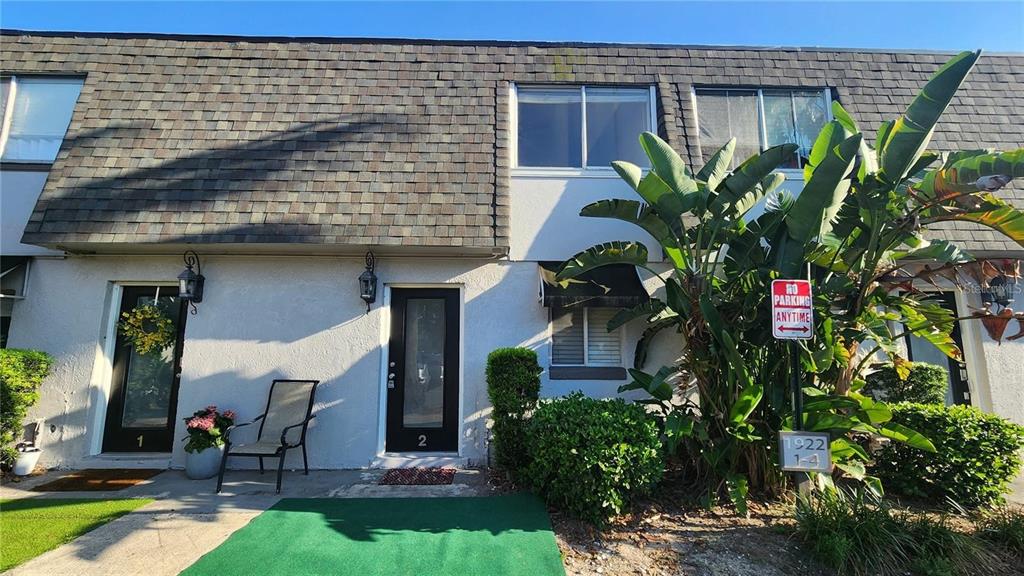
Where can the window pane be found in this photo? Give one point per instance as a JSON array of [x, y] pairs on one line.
[[811, 114], [423, 405], [615, 119], [725, 114], [42, 112], [778, 122], [550, 128], [567, 337], [604, 348]]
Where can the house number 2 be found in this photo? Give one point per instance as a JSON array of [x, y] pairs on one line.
[[423, 440]]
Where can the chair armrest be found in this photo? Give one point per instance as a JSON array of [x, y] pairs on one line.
[[249, 423], [284, 431]]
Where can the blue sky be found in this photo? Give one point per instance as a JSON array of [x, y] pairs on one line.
[[995, 26]]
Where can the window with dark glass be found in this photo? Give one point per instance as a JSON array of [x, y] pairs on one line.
[[581, 127], [36, 113], [760, 119]]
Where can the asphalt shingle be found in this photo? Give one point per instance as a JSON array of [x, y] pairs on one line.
[[394, 143]]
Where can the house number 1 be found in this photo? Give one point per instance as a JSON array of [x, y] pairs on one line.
[[140, 440]]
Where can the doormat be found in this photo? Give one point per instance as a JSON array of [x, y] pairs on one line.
[[98, 480], [417, 477]]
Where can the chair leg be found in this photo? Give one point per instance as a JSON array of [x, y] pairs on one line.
[[280, 469], [305, 463], [261, 465], [223, 464]]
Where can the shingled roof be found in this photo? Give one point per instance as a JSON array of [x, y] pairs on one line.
[[337, 143]]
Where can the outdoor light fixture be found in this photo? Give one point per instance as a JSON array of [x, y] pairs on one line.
[[190, 282], [368, 282], [1000, 290]]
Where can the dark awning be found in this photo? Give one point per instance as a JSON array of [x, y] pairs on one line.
[[8, 263], [615, 286]]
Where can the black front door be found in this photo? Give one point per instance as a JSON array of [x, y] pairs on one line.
[[423, 371], [920, 350], [144, 388]]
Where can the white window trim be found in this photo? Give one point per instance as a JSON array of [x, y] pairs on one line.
[[8, 113], [567, 171], [762, 128], [586, 342]]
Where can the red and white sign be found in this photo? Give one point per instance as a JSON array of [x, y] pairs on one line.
[[792, 313]]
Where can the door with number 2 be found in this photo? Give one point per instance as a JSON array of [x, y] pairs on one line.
[[423, 371]]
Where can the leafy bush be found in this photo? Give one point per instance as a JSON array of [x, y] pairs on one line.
[[1003, 526], [513, 385], [926, 384], [591, 457], [977, 455], [859, 534], [21, 373]]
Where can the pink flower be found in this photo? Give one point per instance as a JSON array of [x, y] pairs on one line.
[[201, 423], [229, 414]]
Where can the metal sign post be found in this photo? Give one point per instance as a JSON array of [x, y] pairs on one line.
[[793, 320]]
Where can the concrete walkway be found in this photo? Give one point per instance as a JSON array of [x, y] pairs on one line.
[[188, 520]]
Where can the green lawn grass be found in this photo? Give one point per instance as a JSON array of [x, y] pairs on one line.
[[493, 536], [31, 526]]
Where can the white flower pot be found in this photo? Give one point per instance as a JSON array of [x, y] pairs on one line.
[[205, 464], [26, 462]]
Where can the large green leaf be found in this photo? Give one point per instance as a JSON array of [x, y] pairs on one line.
[[968, 172], [667, 163], [718, 165], [658, 385], [642, 310], [629, 172], [823, 195], [909, 135], [750, 174], [936, 250], [831, 135], [868, 159], [998, 215], [637, 213], [901, 433], [619, 252]]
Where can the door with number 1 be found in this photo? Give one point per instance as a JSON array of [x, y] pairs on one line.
[[423, 371]]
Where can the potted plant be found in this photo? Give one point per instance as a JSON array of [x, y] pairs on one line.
[[204, 444]]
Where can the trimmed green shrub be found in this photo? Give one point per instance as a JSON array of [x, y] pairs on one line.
[[926, 384], [513, 385], [858, 534], [977, 455], [21, 373], [592, 457]]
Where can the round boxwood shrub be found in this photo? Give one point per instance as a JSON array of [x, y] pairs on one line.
[[977, 455], [591, 457], [926, 384], [513, 385], [21, 373]]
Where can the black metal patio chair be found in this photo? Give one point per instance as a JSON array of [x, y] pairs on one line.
[[282, 427]]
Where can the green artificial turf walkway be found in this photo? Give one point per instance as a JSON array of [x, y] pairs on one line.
[[494, 536], [31, 526]]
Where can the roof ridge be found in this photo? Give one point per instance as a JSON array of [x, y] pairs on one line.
[[461, 42]]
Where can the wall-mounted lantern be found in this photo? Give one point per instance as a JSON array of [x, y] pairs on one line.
[[368, 282], [1000, 290], [190, 281]]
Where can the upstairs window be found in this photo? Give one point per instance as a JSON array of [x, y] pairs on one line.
[[760, 119], [36, 114], [581, 127]]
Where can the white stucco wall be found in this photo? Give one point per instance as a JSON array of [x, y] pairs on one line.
[[19, 191], [276, 317]]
